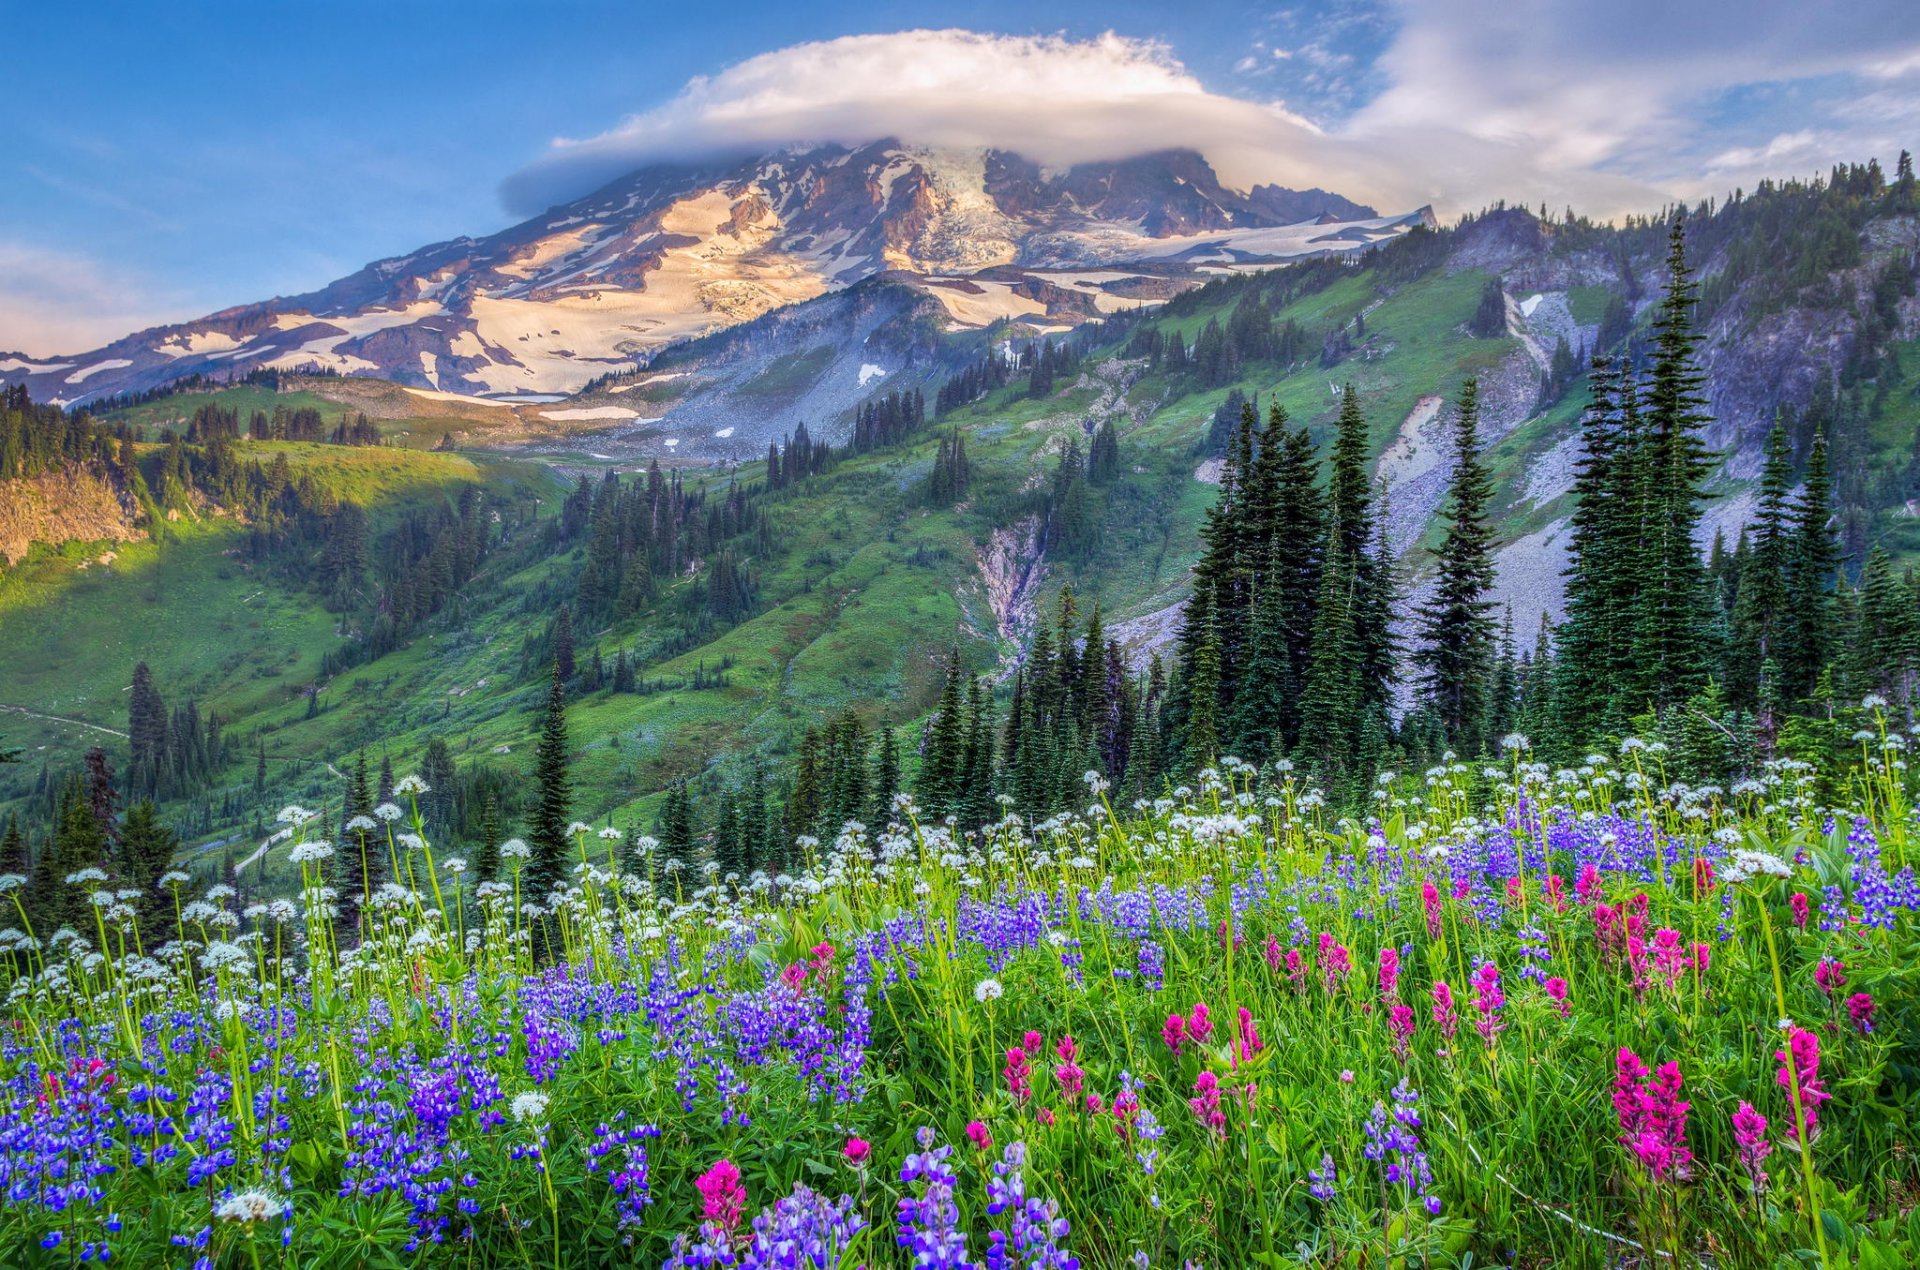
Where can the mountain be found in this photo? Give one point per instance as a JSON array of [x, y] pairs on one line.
[[672, 252], [776, 604]]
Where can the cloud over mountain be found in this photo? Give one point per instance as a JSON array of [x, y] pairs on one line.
[[1534, 103]]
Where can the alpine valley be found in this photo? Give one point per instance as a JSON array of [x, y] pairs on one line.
[[773, 452]]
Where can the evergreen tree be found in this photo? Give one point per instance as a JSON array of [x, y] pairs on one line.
[[146, 851], [1764, 574], [553, 802], [1672, 637], [146, 736], [1810, 622], [1330, 706], [940, 759], [563, 644], [1456, 649], [886, 777], [486, 860]]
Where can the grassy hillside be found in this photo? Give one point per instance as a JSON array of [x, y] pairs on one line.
[[865, 586]]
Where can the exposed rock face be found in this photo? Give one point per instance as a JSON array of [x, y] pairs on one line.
[[675, 251], [64, 504]]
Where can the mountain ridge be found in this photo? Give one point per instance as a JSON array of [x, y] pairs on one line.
[[673, 251]]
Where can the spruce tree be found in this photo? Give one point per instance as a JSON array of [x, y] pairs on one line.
[[1330, 706], [553, 798], [940, 759], [1456, 649], [1811, 620], [486, 859], [146, 736], [886, 777], [147, 848], [1672, 637], [1762, 579], [1595, 636]]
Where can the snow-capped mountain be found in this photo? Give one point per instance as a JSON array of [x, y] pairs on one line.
[[672, 252]]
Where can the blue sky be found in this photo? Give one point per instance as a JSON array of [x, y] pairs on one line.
[[166, 161]]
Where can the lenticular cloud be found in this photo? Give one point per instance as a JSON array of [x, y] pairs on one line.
[[1055, 100]]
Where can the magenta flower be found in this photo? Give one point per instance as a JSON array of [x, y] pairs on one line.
[[1271, 951], [1335, 962], [978, 1135], [1557, 993], [1296, 970], [794, 976], [1248, 1043], [1653, 1118], [1067, 1071], [1206, 1104], [1019, 1074], [1586, 888], [1174, 1033], [722, 1198], [1751, 1144], [1443, 1008], [1800, 1070], [1199, 1022], [1032, 1041], [1830, 975], [1801, 908], [1488, 998], [857, 1152], [1390, 973], [1557, 892], [1430, 902], [1860, 1009], [1400, 1024]]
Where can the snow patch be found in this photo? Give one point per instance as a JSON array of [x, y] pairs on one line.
[[591, 412], [32, 368], [112, 363], [868, 371], [724, 433]]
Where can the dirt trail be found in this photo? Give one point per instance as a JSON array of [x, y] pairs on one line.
[[60, 718]]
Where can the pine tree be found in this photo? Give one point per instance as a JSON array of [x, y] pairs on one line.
[[1456, 649], [1760, 596], [1810, 621], [1671, 639], [486, 860], [940, 774], [553, 804], [146, 851], [1596, 635], [886, 777], [563, 644], [1330, 706], [146, 736]]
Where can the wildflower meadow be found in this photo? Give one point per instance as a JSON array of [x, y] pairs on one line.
[[1537, 1017]]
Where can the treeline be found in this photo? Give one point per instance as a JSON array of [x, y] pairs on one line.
[[640, 533], [303, 423]]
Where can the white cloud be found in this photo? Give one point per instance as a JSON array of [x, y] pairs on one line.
[[54, 302], [1606, 107], [1054, 100]]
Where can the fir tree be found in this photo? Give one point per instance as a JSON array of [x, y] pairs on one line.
[[886, 777], [940, 772], [1456, 649], [486, 860], [146, 851], [563, 644], [553, 800], [1810, 620], [1671, 638]]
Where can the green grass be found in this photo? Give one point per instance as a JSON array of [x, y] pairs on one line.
[[788, 376]]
